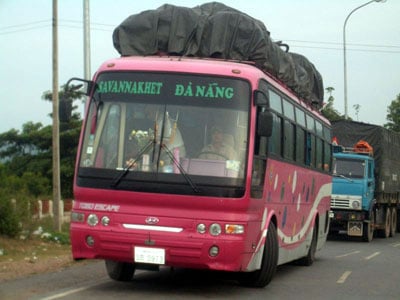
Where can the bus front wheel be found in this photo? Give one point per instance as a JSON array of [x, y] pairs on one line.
[[262, 277], [120, 271]]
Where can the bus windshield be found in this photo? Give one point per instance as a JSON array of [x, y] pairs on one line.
[[162, 127]]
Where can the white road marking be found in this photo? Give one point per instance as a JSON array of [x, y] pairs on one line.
[[70, 292], [396, 245], [348, 254], [343, 278], [372, 255]]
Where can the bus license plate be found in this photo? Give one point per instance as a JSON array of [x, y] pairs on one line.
[[149, 255]]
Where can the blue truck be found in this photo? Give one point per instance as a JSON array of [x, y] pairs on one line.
[[366, 180]]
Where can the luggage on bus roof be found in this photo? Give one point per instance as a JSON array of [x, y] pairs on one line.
[[217, 31]]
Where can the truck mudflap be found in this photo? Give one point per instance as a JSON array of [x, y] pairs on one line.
[[355, 228]]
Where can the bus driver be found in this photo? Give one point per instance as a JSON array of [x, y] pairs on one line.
[[218, 149]]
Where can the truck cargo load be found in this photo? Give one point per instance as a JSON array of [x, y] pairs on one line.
[[386, 146], [217, 31]]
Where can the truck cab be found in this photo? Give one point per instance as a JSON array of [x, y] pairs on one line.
[[353, 187]]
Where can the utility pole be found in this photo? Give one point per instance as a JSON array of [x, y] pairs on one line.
[[56, 129], [344, 53], [86, 39]]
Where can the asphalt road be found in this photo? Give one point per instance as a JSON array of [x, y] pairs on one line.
[[344, 269]]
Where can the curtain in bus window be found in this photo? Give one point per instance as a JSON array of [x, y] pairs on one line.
[[309, 149], [107, 153], [319, 153], [300, 145], [327, 156], [275, 139], [288, 147]]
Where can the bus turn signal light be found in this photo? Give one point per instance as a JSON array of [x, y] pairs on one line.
[[234, 229]]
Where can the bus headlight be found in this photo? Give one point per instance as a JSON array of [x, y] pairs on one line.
[[77, 217], [105, 221], [215, 229], [92, 220], [201, 228]]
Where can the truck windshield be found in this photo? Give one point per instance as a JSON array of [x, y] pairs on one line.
[[168, 124], [349, 168]]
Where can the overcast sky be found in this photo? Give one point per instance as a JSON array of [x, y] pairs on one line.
[[313, 28]]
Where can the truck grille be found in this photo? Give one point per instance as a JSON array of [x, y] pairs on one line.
[[340, 203], [346, 202]]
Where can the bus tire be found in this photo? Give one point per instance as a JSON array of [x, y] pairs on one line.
[[262, 277], [309, 259], [398, 218], [120, 271]]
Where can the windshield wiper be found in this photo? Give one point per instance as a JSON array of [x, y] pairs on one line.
[[342, 176], [132, 162], [181, 169]]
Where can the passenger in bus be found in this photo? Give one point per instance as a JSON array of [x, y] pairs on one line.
[[219, 148], [143, 134]]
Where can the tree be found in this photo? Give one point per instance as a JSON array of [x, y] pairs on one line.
[[70, 125], [28, 154], [328, 111], [357, 108], [393, 115], [27, 151]]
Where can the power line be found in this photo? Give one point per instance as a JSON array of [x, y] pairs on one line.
[[25, 29], [25, 24], [348, 49], [336, 43], [35, 25], [91, 23]]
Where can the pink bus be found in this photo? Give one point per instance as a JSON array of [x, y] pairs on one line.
[[199, 163]]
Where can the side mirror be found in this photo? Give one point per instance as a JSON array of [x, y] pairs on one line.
[[264, 123], [261, 99], [264, 117], [87, 87]]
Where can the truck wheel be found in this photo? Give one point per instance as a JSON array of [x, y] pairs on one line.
[[385, 233], [398, 220], [262, 277], [393, 224], [368, 230], [120, 271]]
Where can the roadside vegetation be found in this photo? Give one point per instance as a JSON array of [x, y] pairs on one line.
[[35, 251], [28, 244]]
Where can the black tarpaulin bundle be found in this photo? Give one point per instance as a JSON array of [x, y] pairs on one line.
[[217, 31]]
